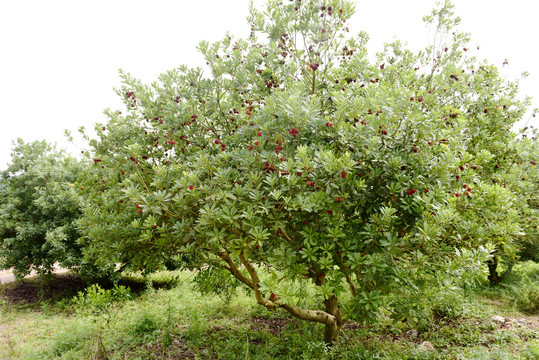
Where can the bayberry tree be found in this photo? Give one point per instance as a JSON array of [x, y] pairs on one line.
[[296, 155], [38, 207]]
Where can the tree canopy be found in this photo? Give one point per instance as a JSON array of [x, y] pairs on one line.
[[298, 156], [38, 206]]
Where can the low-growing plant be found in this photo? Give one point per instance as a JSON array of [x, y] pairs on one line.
[[101, 306], [72, 340]]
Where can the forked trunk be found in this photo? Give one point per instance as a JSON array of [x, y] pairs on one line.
[[331, 332], [493, 276]]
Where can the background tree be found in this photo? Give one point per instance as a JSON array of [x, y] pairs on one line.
[[37, 210], [301, 160]]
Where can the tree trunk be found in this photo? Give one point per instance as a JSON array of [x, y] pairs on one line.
[[331, 332], [493, 276]]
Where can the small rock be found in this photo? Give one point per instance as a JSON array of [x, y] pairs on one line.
[[412, 334], [522, 321], [498, 319], [426, 345]]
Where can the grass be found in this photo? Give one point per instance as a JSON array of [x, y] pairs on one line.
[[169, 319]]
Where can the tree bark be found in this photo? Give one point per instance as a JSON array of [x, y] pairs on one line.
[[332, 330], [493, 276], [332, 318]]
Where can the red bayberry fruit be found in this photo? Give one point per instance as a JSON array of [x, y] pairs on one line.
[[259, 134], [420, 99], [257, 143], [216, 141], [457, 194], [251, 147], [191, 187], [344, 175], [485, 111]]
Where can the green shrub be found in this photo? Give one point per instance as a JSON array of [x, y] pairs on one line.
[[212, 280]]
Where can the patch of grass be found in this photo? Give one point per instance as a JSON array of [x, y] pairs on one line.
[[176, 321], [519, 292]]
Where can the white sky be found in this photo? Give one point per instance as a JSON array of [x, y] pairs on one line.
[[59, 58]]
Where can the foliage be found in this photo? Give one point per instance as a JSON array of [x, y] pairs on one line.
[[300, 155], [38, 207], [101, 306], [215, 280]]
